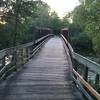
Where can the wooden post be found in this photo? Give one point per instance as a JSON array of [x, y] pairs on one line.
[[3, 64], [3, 61], [97, 81], [74, 62], [22, 59], [85, 75], [27, 54], [30, 51], [24, 55], [14, 59]]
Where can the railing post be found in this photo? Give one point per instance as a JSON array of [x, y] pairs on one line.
[[3, 61], [14, 59], [22, 55], [27, 54], [74, 62], [85, 74], [97, 81], [3, 64], [31, 49]]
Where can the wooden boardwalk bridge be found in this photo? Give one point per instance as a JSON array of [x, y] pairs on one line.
[[46, 72], [45, 77]]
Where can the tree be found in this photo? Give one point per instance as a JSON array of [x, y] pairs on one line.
[[93, 23], [79, 17], [87, 17], [66, 20], [42, 18], [80, 40], [16, 14], [56, 23]]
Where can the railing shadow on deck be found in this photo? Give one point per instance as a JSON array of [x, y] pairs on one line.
[[80, 68]]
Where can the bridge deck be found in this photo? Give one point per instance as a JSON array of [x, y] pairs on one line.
[[45, 77]]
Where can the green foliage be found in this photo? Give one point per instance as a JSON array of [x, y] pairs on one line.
[[96, 44], [42, 18], [81, 42], [16, 14], [65, 22], [86, 18], [20, 18], [93, 23], [79, 15], [55, 22], [5, 38], [79, 19], [74, 30]]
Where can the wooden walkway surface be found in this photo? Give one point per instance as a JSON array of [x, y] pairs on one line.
[[45, 77]]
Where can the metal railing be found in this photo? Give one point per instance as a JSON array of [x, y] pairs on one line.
[[85, 73]]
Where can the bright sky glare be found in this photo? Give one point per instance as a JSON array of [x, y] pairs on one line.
[[62, 6]]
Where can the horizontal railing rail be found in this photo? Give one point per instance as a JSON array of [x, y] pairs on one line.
[[85, 73], [93, 66], [12, 58]]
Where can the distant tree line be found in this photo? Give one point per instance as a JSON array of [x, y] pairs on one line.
[[19, 17]]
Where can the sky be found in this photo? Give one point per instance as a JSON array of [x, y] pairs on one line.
[[62, 6]]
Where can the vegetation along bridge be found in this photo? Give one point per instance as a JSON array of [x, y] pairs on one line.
[[47, 69]]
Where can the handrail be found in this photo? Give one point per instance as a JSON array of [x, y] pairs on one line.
[[2, 52], [93, 66], [12, 58], [87, 85], [68, 44], [88, 65]]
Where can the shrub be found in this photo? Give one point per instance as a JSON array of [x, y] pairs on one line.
[[81, 42]]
